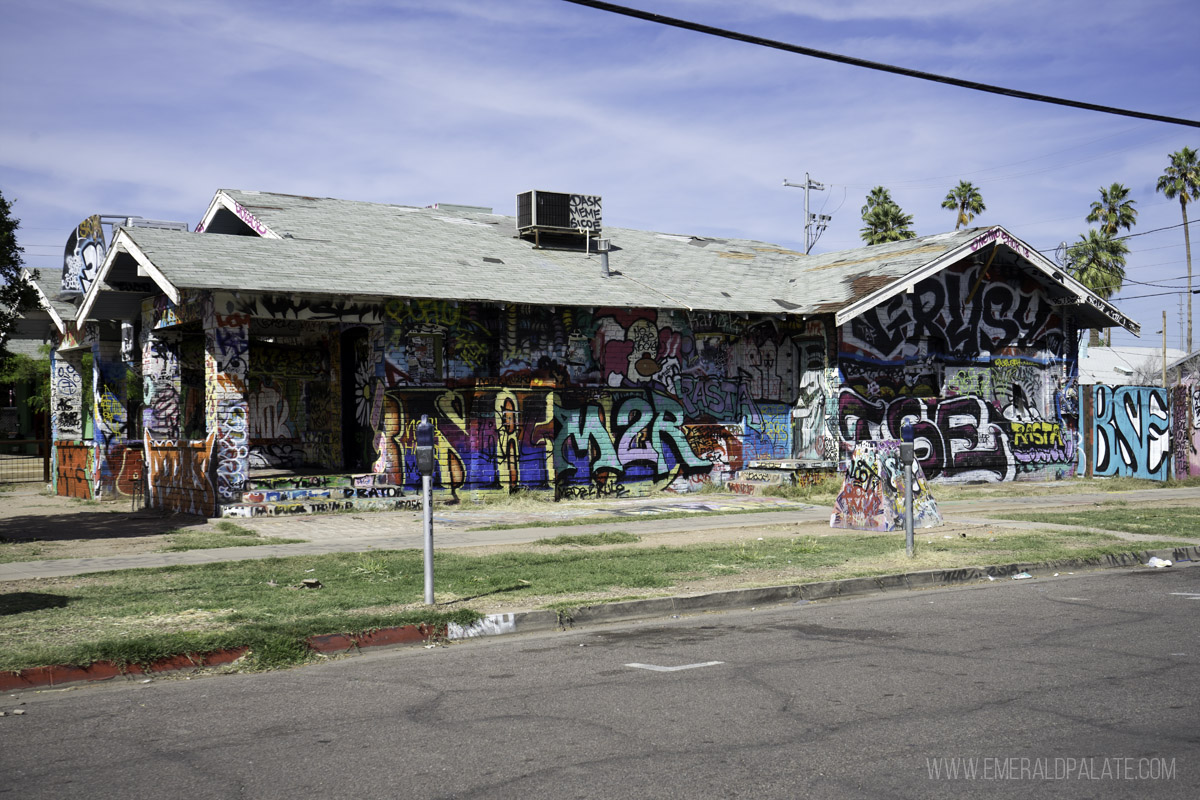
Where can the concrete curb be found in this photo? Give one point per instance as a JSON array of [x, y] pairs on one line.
[[629, 610], [548, 620]]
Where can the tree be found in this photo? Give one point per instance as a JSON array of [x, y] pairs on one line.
[[1113, 210], [16, 293], [883, 220], [966, 201], [1181, 179], [879, 196], [1097, 261]]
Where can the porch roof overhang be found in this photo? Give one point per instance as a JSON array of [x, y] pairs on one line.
[[126, 277], [45, 306], [1090, 309]]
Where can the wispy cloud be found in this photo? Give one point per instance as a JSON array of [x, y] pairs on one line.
[[147, 108]]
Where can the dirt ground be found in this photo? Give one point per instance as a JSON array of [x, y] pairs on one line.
[[36, 525]]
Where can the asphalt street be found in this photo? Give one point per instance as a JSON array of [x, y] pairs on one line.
[[1077, 686]]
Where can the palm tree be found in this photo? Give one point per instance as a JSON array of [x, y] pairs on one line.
[[879, 196], [966, 200], [886, 222], [1182, 179], [1097, 261], [1113, 210]]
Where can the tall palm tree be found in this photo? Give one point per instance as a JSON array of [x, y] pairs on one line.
[[1097, 261], [879, 196], [1181, 179], [886, 222], [1113, 210], [966, 201]]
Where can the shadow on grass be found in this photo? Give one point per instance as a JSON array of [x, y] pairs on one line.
[[20, 602]]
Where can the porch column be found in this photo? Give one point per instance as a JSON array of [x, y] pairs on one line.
[[66, 395], [226, 358], [109, 396], [161, 387]]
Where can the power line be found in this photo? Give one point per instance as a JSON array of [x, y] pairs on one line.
[[875, 65], [1129, 235]]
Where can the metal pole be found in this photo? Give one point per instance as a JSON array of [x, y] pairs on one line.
[[427, 502], [1164, 349], [807, 220], [908, 509]]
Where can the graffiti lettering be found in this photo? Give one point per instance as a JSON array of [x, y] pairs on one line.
[[1131, 432]]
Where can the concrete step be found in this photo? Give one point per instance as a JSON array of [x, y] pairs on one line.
[[316, 505], [749, 487], [285, 494]]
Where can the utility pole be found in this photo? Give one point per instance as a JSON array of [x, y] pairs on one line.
[[814, 224]]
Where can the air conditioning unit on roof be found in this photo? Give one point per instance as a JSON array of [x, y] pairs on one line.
[[558, 213]]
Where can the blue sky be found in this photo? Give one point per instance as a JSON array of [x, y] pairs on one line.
[[146, 107]]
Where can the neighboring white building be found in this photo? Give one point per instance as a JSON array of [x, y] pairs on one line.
[[1123, 366]]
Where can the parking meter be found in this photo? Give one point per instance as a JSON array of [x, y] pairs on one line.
[[906, 443], [425, 446]]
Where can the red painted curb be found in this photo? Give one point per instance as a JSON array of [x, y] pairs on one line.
[[63, 674]]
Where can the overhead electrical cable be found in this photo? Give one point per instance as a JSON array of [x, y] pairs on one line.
[[875, 65]]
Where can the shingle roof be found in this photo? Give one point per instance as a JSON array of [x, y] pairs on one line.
[[324, 246], [333, 246]]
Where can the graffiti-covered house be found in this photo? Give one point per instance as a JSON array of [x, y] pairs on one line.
[[287, 348]]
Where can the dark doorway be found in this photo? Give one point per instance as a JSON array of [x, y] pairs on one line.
[[358, 383]]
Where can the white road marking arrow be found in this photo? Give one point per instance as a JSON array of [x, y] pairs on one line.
[[1188, 595], [657, 668]]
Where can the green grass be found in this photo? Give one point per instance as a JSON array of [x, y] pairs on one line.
[[13, 550], [228, 534], [592, 539], [135, 616], [1118, 516]]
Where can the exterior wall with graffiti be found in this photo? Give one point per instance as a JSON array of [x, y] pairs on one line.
[[983, 366], [1185, 428], [588, 402], [1132, 432]]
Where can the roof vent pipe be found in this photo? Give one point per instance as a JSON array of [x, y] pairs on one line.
[[602, 247]]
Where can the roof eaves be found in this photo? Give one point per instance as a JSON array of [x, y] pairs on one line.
[[44, 301]]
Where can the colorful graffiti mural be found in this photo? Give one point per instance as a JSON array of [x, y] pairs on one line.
[[631, 396], [982, 369], [83, 255], [1131, 432], [872, 495], [179, 475]]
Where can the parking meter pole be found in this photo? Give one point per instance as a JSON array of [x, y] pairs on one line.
[[908, 509], [427, 504], [906, 455], [425, 467]]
